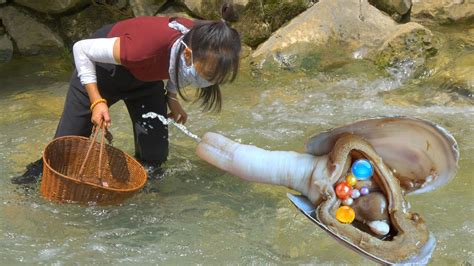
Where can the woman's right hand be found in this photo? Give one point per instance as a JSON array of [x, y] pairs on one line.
[[101, 113]]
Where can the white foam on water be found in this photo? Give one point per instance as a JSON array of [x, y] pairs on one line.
[[168, 121]]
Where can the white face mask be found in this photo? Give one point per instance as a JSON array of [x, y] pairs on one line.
[[189, 73]]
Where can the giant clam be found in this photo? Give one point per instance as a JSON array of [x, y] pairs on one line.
[[409, 156]]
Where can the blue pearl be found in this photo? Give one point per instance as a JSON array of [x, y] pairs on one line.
[[362, 169]]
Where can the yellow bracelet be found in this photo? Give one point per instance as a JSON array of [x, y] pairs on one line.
[[102, 100]]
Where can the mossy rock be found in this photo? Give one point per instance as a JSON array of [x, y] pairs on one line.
[[258, 18], [81, 25], [261, 18], [410, 42]]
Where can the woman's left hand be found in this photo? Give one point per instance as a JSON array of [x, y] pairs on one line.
[[177, 112]]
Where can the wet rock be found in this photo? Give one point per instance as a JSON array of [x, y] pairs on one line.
[[443, 12], [393, 7], [6, 49], [409, 42], [354, 25], [30, 36], [81, 25], [53, 6], [146, 7]]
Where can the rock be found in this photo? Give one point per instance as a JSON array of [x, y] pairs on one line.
[[3, 2], [443, 12], [31, 37], [53, 6], [258, 19], [81, 25], [358, 29], [146, 7], [210, 9], [6, 49], [174, 11], [409, 42], [400, 7]]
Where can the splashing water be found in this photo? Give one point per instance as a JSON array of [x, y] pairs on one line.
[[168, 121]]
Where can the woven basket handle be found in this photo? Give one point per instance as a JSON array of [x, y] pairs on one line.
[[102, 141]]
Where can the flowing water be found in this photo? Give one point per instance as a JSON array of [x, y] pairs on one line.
[[197, 214]]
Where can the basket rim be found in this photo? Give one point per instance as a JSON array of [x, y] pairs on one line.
[[88, 183]]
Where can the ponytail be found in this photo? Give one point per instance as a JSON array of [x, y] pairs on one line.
[[217, 47]]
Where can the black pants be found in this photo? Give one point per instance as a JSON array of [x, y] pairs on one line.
[[117, 83]]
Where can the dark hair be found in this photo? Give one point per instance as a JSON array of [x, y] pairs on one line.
[[217, 47]]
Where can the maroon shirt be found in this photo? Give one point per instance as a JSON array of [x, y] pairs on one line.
[[145, 45]]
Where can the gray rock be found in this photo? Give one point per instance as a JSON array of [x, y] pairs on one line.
[[258, 19], [30, 36], [400, 7], [53, 6], [146, 7], [399, 10], [6, 49], [209, 9], [443, 12], [361, 30], [81, 25], [3, 2], [174, 11]]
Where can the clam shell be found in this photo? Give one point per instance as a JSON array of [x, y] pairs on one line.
[[418, 151]]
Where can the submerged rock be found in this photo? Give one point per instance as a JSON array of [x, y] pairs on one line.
[[6, 49], [359, 29], [444, 12], [53, 6], [31, 37]]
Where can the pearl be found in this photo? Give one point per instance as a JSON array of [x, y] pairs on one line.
[[348, 202], [364, 191], [343, 190], [355, 193], [351, 180], [380, 228], [362, 169], [345, 214]]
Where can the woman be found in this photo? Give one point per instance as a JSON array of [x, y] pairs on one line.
[[129, 61]]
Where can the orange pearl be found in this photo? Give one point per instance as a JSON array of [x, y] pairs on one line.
[[351, 180], [345, 214]]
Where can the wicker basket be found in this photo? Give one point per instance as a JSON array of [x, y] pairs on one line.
[[81, 170]]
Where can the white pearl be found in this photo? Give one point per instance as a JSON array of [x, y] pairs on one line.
[[347, 202], [380, 228], [355, 193]]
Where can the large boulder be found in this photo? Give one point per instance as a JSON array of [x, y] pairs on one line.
[[53, 6], [6, 49], [359, 29], [209, 9], [146, 7], [81, 25], [258, 18], [444, 11], [396, 8], [31, 37]]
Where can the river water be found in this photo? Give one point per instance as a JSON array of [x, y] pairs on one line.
[[197, 214]]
